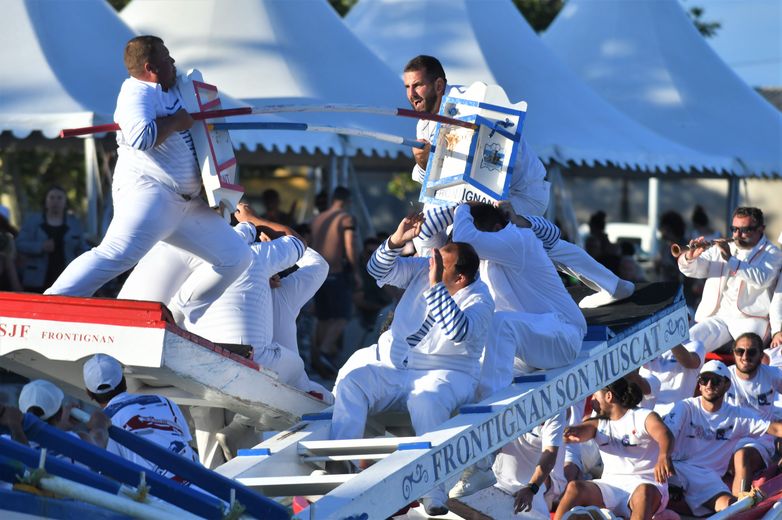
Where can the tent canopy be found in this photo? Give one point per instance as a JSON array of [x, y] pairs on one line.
[[491, 42], [63, 63], [278, 52], [647, 59]]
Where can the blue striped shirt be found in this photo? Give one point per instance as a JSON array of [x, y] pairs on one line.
[[442, 307]]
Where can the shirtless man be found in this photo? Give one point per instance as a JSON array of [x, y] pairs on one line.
[[334, 237]]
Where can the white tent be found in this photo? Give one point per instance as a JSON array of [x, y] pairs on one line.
[[490, 41], [63, 63], [277, 52], [63, 69], [647, 59]]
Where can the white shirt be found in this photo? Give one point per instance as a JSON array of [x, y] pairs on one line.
[[650, 400], [761, 392], [517, 270], [626, 446], [708, 440], [243, 314], [750, 281], [173, 162], [517, 460], [676, 382], [431, 329], [295, 290], [154, 418]]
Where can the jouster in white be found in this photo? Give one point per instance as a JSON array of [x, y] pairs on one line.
[[155, 192], [434, 343]]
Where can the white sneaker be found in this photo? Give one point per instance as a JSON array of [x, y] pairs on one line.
[[236, 436], [434, 507], [434, 502], [473, 479], [624, 289]]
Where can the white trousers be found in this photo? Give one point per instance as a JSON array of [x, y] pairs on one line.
[[573, 260], [289, 368], [714, 332], [520, 342], [428, 395], [159, 276], [146, 212], [208, 421]]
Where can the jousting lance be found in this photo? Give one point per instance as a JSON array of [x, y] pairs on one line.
[[304, 127], [281, 109]]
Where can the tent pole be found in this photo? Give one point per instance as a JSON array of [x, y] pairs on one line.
[[653, 213], [732, 202], [91, 179]]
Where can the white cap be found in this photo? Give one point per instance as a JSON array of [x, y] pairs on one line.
[[44, 395], [715, 367], [102, 373]]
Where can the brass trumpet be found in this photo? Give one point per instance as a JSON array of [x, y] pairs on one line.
[[677, 250]]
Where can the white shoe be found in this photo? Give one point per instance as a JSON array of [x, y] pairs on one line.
[[434, 502], [434, 507], [236, 436], [473, 479], [624, 289]]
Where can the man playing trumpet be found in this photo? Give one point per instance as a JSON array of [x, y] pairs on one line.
[[740, 277]]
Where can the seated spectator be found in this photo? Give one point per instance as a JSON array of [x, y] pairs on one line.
[[757, 386], [677, 371], [740, 278], [707, 431], [49, 241], [154, 417], [635, 446], [524, 467], [45, 400]]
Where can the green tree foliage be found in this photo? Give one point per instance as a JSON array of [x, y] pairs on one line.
[[539, 13], [707, 28], [403, 187]]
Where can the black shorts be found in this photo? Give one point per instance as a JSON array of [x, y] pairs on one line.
[[333, 301]]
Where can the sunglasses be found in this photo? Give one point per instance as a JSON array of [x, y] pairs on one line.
[[750, 352], [743, 230], [710, 380]]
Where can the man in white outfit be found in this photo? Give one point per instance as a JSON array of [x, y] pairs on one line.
[[426, 84], [291, 292], [156, 418], [677, 371], [758, 386], [243, 314], [537, 324], [707, 429], [775, 313], [434, 343], [156, 190], [740, 278]]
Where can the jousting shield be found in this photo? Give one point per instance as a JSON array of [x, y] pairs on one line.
[[213, 147], [467, 164]]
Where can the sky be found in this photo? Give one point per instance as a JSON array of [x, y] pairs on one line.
[[750, 39]]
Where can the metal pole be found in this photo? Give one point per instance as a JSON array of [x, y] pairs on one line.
[[653, 213]]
